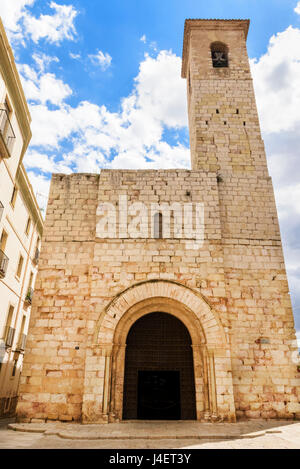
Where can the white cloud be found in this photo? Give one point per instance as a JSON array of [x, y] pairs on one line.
[[11, 12], [158, 101], [276, 78], [43, 60], [74, 56], [96, 137], [20, 23], [43, 87], [44, 163], [298, 338], [297, 9], [101, 59], [288, 200], [54, 27], [50, 127], [41, 185], [161, 90]]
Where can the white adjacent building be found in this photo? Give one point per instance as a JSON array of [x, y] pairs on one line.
[[21, 227]]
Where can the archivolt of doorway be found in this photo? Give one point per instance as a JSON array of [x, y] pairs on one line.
[[105, 357]]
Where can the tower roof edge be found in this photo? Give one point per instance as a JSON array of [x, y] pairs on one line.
[[190, 24]]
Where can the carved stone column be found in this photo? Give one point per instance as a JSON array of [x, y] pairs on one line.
[[212, 385], [117, 382], [107, 352], [206, 413]]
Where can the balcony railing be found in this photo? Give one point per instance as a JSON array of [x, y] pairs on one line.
[[3, 264], [7, 133], [22, 342], [9, 337], [28, 298], [36, 256], [1, 210]]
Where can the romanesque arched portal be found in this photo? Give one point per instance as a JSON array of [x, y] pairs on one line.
[[159, 372], [105, 361]]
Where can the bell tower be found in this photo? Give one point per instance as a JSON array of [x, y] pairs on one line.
[[225, 141], [224, 128]]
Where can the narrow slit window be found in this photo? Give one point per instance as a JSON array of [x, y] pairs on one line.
[[14, 196], [14, 367], [3, 241], [158, 225], [8, 323], [20, 265], [30, 280], [28, 226]]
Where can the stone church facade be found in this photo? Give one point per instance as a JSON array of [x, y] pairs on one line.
[[160, 327]]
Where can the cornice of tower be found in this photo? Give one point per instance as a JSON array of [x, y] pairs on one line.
[[208, 24]]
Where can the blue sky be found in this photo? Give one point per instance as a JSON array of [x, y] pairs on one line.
[[102, 79]]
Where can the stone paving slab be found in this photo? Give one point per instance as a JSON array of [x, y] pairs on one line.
[[154, 430], [288, 438]]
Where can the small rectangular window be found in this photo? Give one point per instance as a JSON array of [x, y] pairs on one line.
[[3, 241], [30, 280], [20, 265], [28, 226], [7, 404], [9, 331], [23, 324], [6, 128], [8, 107], [22, 336], [6, 116], [14, 367], [158, 225], [8, 320], [14, 196]]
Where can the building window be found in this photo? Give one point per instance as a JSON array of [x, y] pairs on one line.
[[3, 240], [3, 257], [9, 331], [6, 129], [37, 251], [28, 226], [14, 196], [22, 336], [20, 265], [7, 404], [219, 54], [158, 225], [29, 293], [190, 85], [14, 367], [1, 209]]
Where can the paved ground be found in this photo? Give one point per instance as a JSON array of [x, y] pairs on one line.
[[133, 435]]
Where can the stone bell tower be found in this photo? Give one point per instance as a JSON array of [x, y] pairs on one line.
[[224, 127], [225, 138]]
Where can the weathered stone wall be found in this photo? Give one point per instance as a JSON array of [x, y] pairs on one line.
[[52, 379], [80, 274]]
